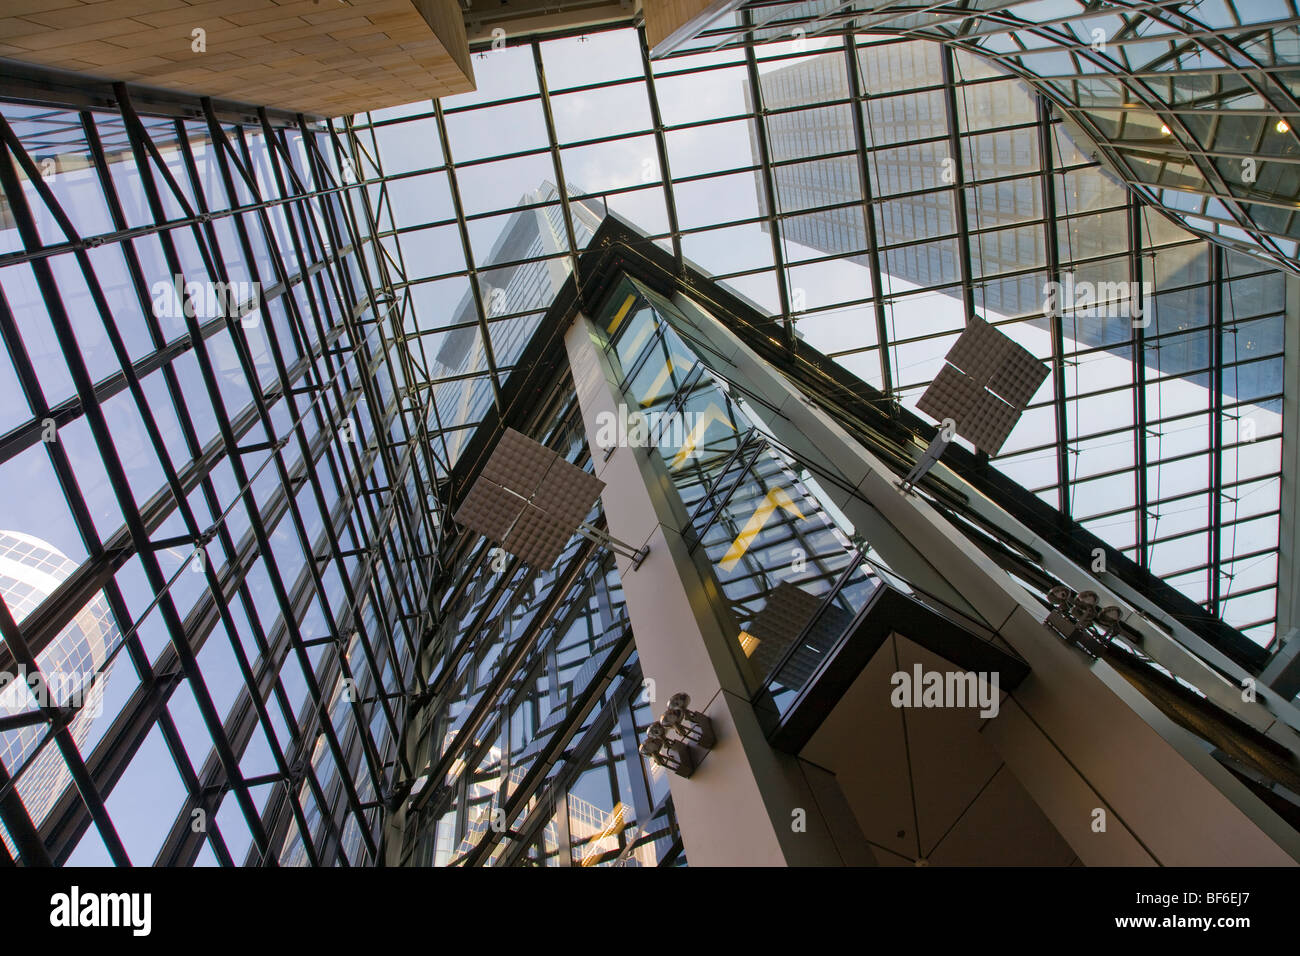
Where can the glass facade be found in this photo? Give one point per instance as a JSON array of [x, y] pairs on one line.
[[249, 360], [209, 414], [1194, 105], [536, 703], [757, 518], [81, 656], [875, 192]]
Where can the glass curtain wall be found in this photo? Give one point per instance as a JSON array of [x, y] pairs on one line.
[[242, 353], [536, 707], [871, 192], [209, 429]]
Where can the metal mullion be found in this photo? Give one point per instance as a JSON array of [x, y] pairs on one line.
[[505, 688], [959, 186], [21, 652], [522, 646], [403, 547], [390, 465], [1257, 589], [127, 233], [1152, 102], [386, 281], [769, 190], [718, 507], [52, 615], [561, 181], [148, 560], [1215, 332], [1047, 177], [642, 802], [213, 501], [662, 147], [1245, 556], [26, 374], [295, 516], [172, 480], [111, 765], [24, 436], [443, 682], [181, 758], [1205, 529], [17, 821], [477, 293], [372, 402], [172, 855], [1124, 469], [270, 662], [474, 271], [585, 700], [291, 723], [316, 170], [869, 215], [310, 225], [553, 798]]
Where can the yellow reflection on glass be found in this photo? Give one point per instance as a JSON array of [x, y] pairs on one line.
[[776, 498]]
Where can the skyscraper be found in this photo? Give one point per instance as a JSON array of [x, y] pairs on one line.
[[520, 277], [913, 182]]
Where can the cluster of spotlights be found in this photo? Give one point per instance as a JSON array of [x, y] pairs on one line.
[[1077, 618], [679, 738]]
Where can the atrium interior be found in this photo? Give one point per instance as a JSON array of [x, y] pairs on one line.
[[649, 433]]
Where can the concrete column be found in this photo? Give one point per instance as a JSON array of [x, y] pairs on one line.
[[740, 806]]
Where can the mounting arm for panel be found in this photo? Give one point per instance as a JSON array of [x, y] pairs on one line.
[[592, 533], [927, 461]]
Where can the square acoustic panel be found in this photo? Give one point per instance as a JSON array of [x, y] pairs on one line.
[[519, 463], [490, 510], [537, 538], [1018, 378], [978, 351], [981, 417], [995, 362], [529, 500], [568, 493]]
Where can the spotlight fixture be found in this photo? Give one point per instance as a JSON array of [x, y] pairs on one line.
[[692, 726], [1077, 619], [1283, 126], [668, 753], [1164, 130], [691, 737]]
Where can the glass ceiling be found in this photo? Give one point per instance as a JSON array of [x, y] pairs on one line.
[[886, 189], [1193, 104], [250, 493]]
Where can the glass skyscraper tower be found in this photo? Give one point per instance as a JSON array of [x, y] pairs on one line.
[[904, 180]]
